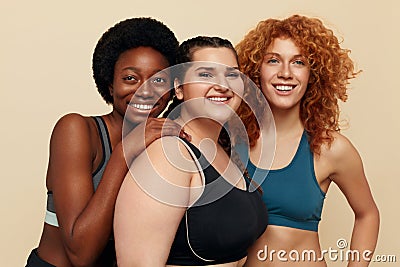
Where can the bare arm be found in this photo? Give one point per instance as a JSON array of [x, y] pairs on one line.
[[144, 225], [85, 217], [350, 177]]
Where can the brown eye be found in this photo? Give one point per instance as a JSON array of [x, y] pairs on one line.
[[129, 78], [159, 80]]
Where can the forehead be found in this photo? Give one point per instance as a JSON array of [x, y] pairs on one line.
[[283, 45], [145, 57], [221, 55]]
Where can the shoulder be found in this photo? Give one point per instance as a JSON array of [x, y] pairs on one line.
[[339, 148], [340, 153], [166, 159], [71, 121], [73, 129], [167, 156], [168, 147], [74, 123]]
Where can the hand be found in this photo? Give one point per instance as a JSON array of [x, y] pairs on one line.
[[147, 132], [157, 127]]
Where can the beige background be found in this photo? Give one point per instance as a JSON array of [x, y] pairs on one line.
[[45, 65]]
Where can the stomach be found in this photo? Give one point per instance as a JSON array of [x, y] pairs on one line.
[[283, 246], [239, 263]]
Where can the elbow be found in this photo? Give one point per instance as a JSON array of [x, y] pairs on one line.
[[81, 258], [136, 264], [124, 262], [134, 260], [81, 262], [377, 214], [374, 215], [370, 217]]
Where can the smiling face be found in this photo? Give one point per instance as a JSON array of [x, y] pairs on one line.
[[212, 87], [284, 75], [132, 69]]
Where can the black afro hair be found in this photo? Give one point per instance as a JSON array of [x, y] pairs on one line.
[[125, 35]]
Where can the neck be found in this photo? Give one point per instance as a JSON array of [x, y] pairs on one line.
[[118, 122], [201, 129], [287, 122]]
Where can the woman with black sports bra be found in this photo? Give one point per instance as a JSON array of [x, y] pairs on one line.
[[186, 203]]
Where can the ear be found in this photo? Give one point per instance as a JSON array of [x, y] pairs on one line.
[[178, 89], [111, 90]]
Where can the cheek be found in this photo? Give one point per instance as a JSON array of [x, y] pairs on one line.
[[264, 83], [264, 72], [237, 86], [303, 75], [264, 87], [195, 90], [237, 104], [119, 91]]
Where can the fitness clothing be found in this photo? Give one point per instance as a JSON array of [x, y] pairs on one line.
[[51, 217], [292, 194], [220, 231], [35, 261], [107, 258]]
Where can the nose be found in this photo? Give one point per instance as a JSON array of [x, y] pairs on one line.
[[285, 72], [145, 90], [221, 84]]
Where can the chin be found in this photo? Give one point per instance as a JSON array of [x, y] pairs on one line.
[[221, 117], [135, 118]]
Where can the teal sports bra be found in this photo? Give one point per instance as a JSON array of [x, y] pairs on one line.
[[292, 194]]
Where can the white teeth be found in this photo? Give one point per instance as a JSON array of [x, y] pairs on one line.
[[141, 106], [284, 87], [218, 99]]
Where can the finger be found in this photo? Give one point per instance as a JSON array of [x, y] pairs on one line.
[[185, 135], [161, 123], [172, 130]]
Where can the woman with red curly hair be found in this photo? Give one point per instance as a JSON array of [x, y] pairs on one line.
[[302, 72]]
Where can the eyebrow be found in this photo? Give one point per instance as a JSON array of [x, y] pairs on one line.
[[205, 68], [131, 68], [278, 55], [212, 68], [139, 70], [232, 68]]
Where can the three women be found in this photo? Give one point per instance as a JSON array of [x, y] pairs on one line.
[[301, 70]]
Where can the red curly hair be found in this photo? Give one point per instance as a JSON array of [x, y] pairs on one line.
[[330, 71]]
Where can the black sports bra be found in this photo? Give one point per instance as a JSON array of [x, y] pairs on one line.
[[222, 230]]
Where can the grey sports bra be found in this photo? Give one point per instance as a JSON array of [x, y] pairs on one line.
[[51, 216]]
